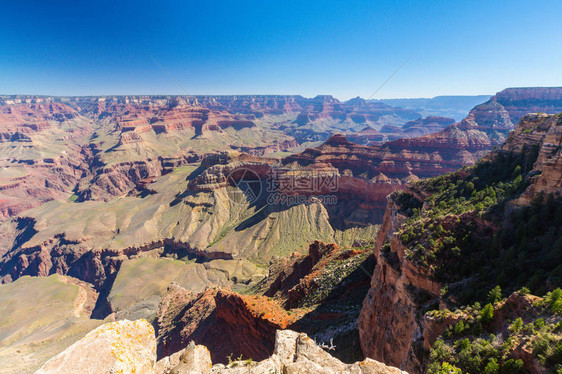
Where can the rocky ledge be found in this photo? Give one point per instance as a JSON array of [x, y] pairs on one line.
[[130, 347]]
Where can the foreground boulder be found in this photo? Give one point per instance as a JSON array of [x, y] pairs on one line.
[[116, 347], [294, 353], [130, 347]]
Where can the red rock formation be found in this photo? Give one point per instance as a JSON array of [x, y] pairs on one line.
[[486, 125], [389, 326], [365, 136], [232, 324], [544, 133], [229, 324], [520, 101], [411, 129], [424, 126], [43, 180], [499, 115], [119, 179], [33, 115], [262, 151], [290, 277], [423, 157]]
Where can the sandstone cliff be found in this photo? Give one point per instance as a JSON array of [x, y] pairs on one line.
[[390, 327], [542, 134]]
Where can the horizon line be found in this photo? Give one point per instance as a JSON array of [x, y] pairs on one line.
[[240, 95]]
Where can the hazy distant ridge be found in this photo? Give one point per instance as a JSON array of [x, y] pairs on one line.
[[456, 107]]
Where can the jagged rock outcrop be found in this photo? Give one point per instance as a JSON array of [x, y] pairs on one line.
[[293, 353], [193, 359], [301, 292], [499, 115], [119, 179], [116, 347], [389, 324], [523, 100], [543, 134], [129, 347], [287, 274], [229, 324]]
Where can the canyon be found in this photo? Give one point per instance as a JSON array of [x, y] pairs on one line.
[[223, 219], [97, 148]]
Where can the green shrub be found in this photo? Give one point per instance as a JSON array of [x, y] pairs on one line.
[[495, 295], [539, 324], [487, 314], [459, 328], [512, 366], [493, 367], [443, 368], [555, 358], [464, 344], [554, 300], [541, 348], [516, 326]]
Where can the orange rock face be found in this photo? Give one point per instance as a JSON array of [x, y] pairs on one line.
[[230, 324], [227, 323], [389, 327]]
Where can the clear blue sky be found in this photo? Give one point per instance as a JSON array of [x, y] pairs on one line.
[[343, 48]]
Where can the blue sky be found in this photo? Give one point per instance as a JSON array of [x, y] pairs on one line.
[[343, 48]]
